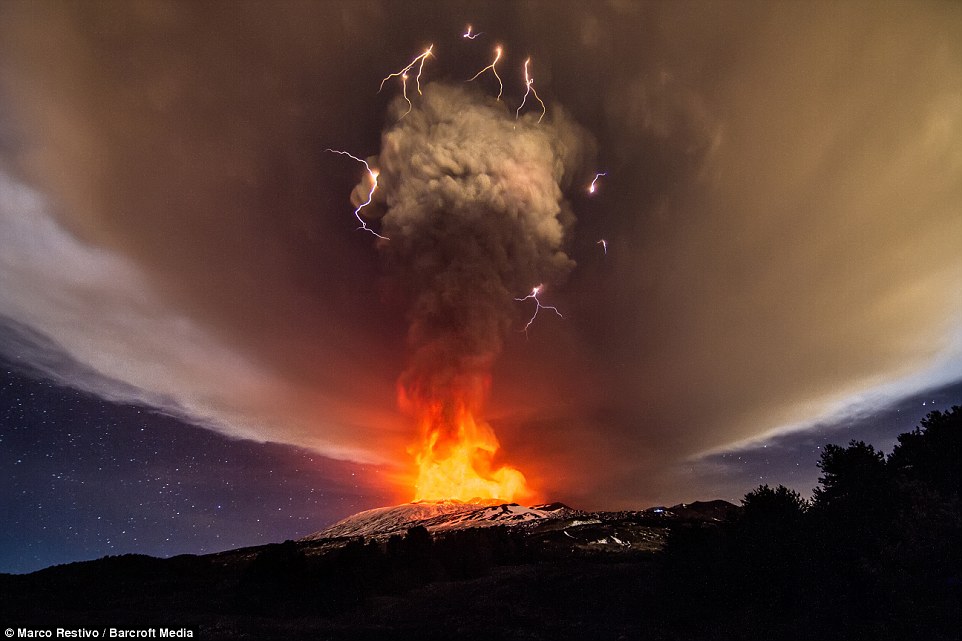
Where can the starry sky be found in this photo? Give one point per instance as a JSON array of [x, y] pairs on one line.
[[83, 477], [200, 350]]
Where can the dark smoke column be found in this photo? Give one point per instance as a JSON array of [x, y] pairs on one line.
[[472, 204]]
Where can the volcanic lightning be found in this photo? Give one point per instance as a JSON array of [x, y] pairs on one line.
[[497, 56], [404, 94], [593, 187], [372, 176], [403, 73], [535, 292], [467, 34], [604, 245], [530, 90]]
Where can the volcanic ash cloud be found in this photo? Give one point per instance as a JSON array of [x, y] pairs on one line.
[[472, 202]]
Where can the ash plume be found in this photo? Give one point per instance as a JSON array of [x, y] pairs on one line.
[[472, 202]]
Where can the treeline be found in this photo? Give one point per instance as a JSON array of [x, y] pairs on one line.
[[875, 554]]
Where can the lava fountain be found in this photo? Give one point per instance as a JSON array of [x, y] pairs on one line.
[[455, 453], [471, 200]]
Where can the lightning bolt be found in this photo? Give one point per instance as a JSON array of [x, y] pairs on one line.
[[535, 292], [604, 245], [372, 174], [529, 85], [592, 188], [404, 94], [403, 73], [467, 34], [497, 56]]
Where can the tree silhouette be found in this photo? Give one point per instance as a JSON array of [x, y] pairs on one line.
[[876, 554], [854, 480], [930, 453], [781, 506]]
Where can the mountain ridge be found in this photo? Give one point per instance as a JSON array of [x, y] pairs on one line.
[[438, 517], [441, 515]]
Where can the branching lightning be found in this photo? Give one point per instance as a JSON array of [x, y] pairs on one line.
[[471, 36], [530, 90], [403, 75], [372, 174], [497, 56], [592, 188], [535, 292]]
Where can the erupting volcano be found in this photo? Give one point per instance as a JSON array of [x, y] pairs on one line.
[[471, 204], [455, 457]]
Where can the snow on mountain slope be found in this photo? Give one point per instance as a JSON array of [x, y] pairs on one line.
[[506, 514], [395, 518], [439, 516]]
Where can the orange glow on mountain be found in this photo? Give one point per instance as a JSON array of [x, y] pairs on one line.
[[455, 454]]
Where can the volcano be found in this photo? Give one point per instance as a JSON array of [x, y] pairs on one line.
[[549, 526], [442, 516], [571, 574]]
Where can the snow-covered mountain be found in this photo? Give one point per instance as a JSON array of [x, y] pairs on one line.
[[440, 516], [550, 527]]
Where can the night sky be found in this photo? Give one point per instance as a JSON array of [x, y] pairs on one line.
[[200, 351], [83, 477]]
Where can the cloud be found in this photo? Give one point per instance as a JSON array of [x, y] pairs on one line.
[[90, 319], [800, 251], [781, 209]]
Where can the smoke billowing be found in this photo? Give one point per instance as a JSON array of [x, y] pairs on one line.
[[476, 217], [781, 210], [474, 209]]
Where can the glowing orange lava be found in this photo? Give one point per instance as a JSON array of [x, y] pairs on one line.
[[455, 457]]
